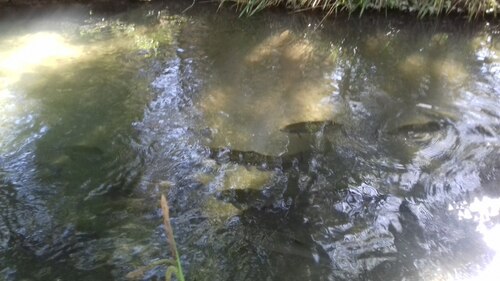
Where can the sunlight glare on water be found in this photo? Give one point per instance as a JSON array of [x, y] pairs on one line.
[[25, 53], [482, 211]]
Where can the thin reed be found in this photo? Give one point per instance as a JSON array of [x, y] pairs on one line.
[[168, 226], [174, 266], [171, 242]]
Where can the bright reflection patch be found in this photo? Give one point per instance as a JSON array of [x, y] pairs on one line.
[[21, 55], [482, 211], [18, 56]]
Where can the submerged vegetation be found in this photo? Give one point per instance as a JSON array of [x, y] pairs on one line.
[[473, 8]]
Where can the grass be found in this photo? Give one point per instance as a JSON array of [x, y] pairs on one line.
[[473, 8]]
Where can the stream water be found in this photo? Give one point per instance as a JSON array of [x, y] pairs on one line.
[[290, 148]]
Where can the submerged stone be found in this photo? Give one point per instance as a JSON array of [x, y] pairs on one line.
[[300, 51], [413, 65], [203, 178], [219, 211], [269, 46], [450, 71], [245, 178]]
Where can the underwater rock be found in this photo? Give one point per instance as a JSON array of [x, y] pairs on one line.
[[243, 186], [449, 70], [204, 178], [299, 51], [269, 46], [219, 211], [413, 65], [286, 45], [245, 178]]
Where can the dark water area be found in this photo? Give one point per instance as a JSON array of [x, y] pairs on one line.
[[290, 147]]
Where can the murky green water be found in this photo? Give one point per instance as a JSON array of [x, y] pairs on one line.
[[362, 149]]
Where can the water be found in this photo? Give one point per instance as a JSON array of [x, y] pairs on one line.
[[289, 148]]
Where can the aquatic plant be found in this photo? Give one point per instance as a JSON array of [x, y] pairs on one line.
[[174, 266], [473, 8]]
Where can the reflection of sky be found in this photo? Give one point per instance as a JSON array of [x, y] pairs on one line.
[[482, 211]]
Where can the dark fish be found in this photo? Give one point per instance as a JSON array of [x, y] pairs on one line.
[[482, 131], [252, 158], [427, 127], [83, 152], [310, 127], [241, 157]]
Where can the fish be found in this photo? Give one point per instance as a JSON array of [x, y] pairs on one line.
[[253, 158], [310, 127], [418, 128], [83, 152]]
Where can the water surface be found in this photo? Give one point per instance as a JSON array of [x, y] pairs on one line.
[[289, 148]]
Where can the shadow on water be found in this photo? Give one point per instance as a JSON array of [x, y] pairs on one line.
[[346, 152]]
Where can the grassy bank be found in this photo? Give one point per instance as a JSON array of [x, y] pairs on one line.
[[473, 8]]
